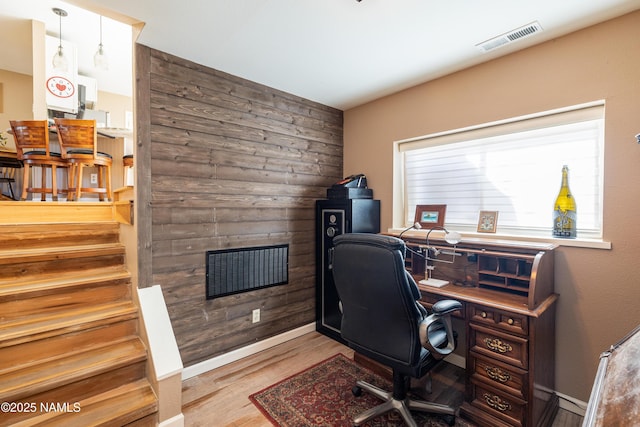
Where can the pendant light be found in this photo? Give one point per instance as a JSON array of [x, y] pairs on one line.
[[60, 62], [100, 58]]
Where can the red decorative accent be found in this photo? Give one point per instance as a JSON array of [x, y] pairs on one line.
[[60, 87]]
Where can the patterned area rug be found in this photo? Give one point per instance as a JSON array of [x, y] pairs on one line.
[[321, 396]]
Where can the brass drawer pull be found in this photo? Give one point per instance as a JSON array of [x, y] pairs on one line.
[[497, 374], [496, 403], [510, 321], [497, 345], [483, 314]]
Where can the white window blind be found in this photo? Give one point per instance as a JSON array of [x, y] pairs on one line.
[[514, 168]]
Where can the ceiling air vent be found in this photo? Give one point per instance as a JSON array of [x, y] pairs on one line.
[[511, 36]]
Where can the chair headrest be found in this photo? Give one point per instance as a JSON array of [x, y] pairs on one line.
[[387, 242]]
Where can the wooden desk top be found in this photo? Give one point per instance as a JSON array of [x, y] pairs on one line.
[[488, 297]]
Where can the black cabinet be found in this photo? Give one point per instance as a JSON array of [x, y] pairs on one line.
[[335, 217]]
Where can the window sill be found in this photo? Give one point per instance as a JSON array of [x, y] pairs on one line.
[[497, 238]]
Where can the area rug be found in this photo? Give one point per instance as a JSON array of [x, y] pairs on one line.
[[321, 396]]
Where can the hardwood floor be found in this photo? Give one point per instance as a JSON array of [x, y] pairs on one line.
[[221, 397]]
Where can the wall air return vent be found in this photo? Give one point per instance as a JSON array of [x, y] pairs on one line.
[[510, 37], [232, 271]]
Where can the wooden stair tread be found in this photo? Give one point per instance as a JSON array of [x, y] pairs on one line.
[[67, 369], [26, 286], [16, 331], [119, 406], [12, 256]]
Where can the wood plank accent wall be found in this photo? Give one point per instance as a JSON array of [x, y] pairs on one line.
[[225, 163]]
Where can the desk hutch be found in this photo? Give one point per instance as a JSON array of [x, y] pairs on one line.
[[507, 292]]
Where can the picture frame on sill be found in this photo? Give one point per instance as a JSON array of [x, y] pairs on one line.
[[430, 216], [487, 221]]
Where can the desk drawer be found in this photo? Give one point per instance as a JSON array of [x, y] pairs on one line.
[[499, 346], [505, 320], [498, 404], [498, 375]]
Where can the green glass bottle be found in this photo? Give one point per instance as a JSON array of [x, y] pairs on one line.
[[564, 211]]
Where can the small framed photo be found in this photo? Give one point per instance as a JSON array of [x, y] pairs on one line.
[[487, 221], [430, 216]]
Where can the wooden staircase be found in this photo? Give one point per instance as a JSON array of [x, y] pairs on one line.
[[70, 351]]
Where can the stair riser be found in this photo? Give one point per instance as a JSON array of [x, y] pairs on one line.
[[31, 353], [23, 289], [44, 304], [20, 269], [12, 339], [71, 369], [85, 388], [51, 281], [60, 238], [61, 234], [148, 421], [56, 213]]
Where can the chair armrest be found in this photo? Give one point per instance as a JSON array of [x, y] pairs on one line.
[[438, 324], [446, 306]]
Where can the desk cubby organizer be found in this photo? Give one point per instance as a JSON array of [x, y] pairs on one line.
[[521, 269]]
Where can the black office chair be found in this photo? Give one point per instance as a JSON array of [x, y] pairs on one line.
[[381, 319]]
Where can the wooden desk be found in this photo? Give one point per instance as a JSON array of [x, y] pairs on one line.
[[509, 317]]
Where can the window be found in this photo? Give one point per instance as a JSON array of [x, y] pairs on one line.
[[513, 167]]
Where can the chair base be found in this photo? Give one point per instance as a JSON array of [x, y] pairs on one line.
[[103, 194], [403, 406], [43, 192], [28, 183], [75, 176]]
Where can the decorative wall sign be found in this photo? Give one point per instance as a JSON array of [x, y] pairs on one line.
[[60, 87]]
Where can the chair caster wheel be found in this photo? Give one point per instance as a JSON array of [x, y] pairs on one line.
[[357, 391], [449, 419]]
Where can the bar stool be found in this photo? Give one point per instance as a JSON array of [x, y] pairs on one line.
[[79, 146], [32, 148]]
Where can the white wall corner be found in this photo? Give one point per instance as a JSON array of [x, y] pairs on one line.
[[164, 355]]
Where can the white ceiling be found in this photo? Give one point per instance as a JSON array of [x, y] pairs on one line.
[[341, 53]]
